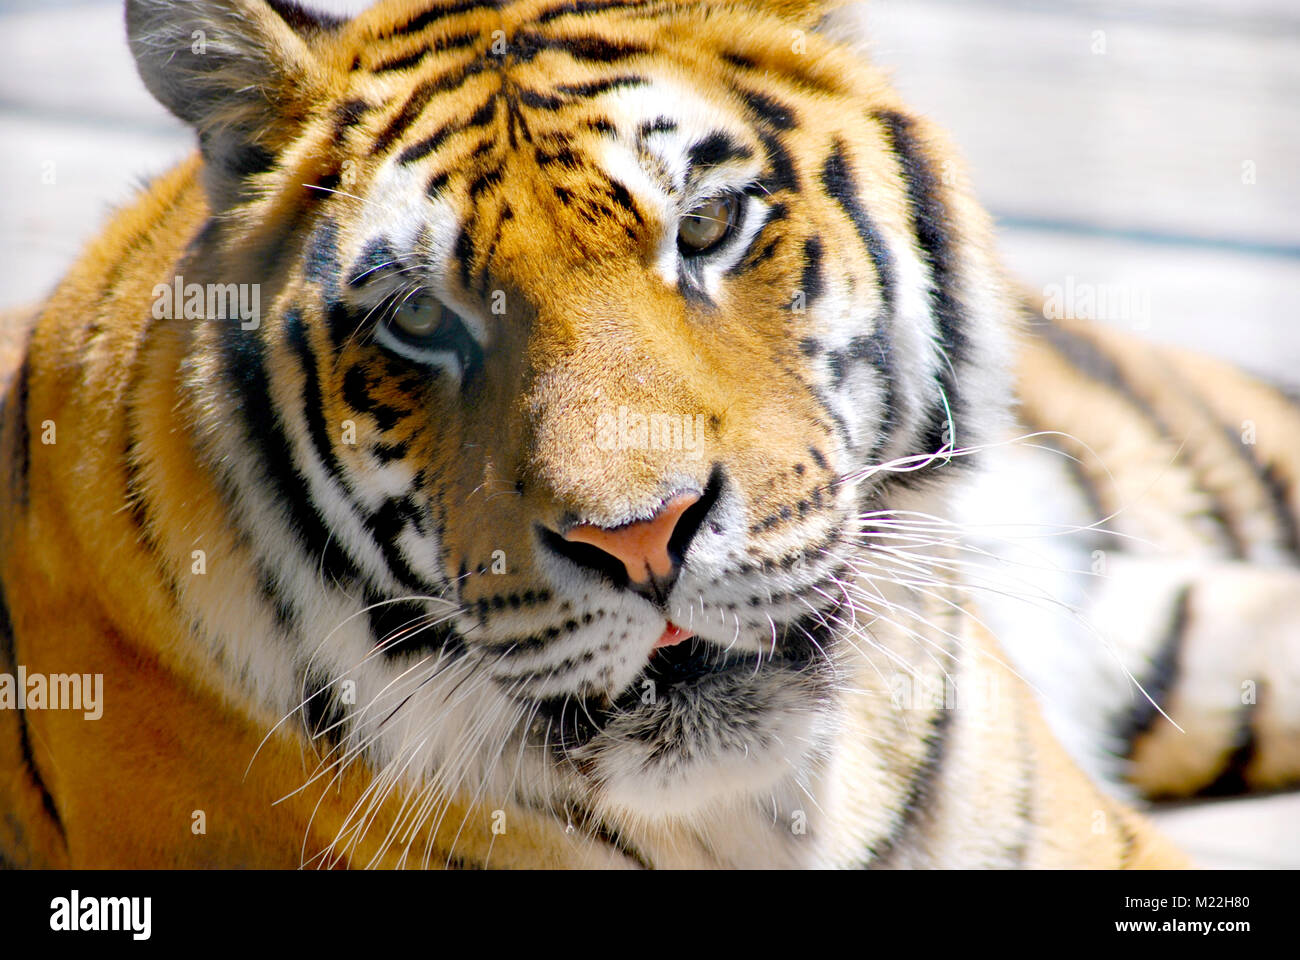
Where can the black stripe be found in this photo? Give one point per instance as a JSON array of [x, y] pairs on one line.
[[781, 175], [27, 762], [1018, 852], [811, 281], [516, 125], [771, 112], [520, 644], [377, 258], [606, 833], [483, 115], [619, 194], [486, 179], [236, 160], [539, 101], [386, 453], [657, 125], [341, 322], [857, 350], [423, 148], [138, 240], [465, 253], [1160, 678], [880, 354], [433, 15], [268, 585], [19, 391], [1279, 497], [564, 156], [244, 361], [348, 114], [321, 258], [1233, 778], [402, 628], [419, 99], [510, 678], [323, 715], [305, 21], [8, 659], [1086, 356], [356, 394], [715, 149], [455, 41], [134, 493], [590, 48], [389, 521], [590, 6], [1268, 475], [833, 418], [596, 87], [936, 434], [401, 63], [436, 184], [462, 333], [755, 257], [920, 788], [411, 109], [296, 336], [839, 181], [386, 525], [933, 227]]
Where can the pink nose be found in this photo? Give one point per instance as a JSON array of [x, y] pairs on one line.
[[641, 547]]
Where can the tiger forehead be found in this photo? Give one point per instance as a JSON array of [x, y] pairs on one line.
[[413, 68], [556, 137], [505, 127], [538, 88]]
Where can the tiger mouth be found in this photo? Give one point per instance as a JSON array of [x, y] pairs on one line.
[[678, 678], [693, 661]]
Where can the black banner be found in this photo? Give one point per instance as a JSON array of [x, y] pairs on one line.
[[456, 910]]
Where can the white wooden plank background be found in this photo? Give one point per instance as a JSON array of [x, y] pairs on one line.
[[1107, 136]]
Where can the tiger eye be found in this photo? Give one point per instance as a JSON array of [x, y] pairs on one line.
[[417, 318], [707, 225]]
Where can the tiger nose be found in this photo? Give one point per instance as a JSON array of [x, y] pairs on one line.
[[645, 548]]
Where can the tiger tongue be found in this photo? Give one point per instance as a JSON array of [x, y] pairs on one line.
[[672, 634]]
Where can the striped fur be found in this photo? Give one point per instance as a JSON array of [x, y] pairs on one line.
[[320, 561], [1181, 467]]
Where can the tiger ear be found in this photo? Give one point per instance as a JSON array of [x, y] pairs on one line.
[[241, 72]]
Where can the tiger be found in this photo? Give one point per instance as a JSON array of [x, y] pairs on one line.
[[601, 434]]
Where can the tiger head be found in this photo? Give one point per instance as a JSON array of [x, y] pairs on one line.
[[591, 331]]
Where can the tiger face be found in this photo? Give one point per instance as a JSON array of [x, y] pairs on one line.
[[591, 334]]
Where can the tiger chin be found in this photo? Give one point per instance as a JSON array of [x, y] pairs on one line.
[[576, 495]]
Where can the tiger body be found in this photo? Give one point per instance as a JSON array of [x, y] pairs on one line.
[[325, 565]]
